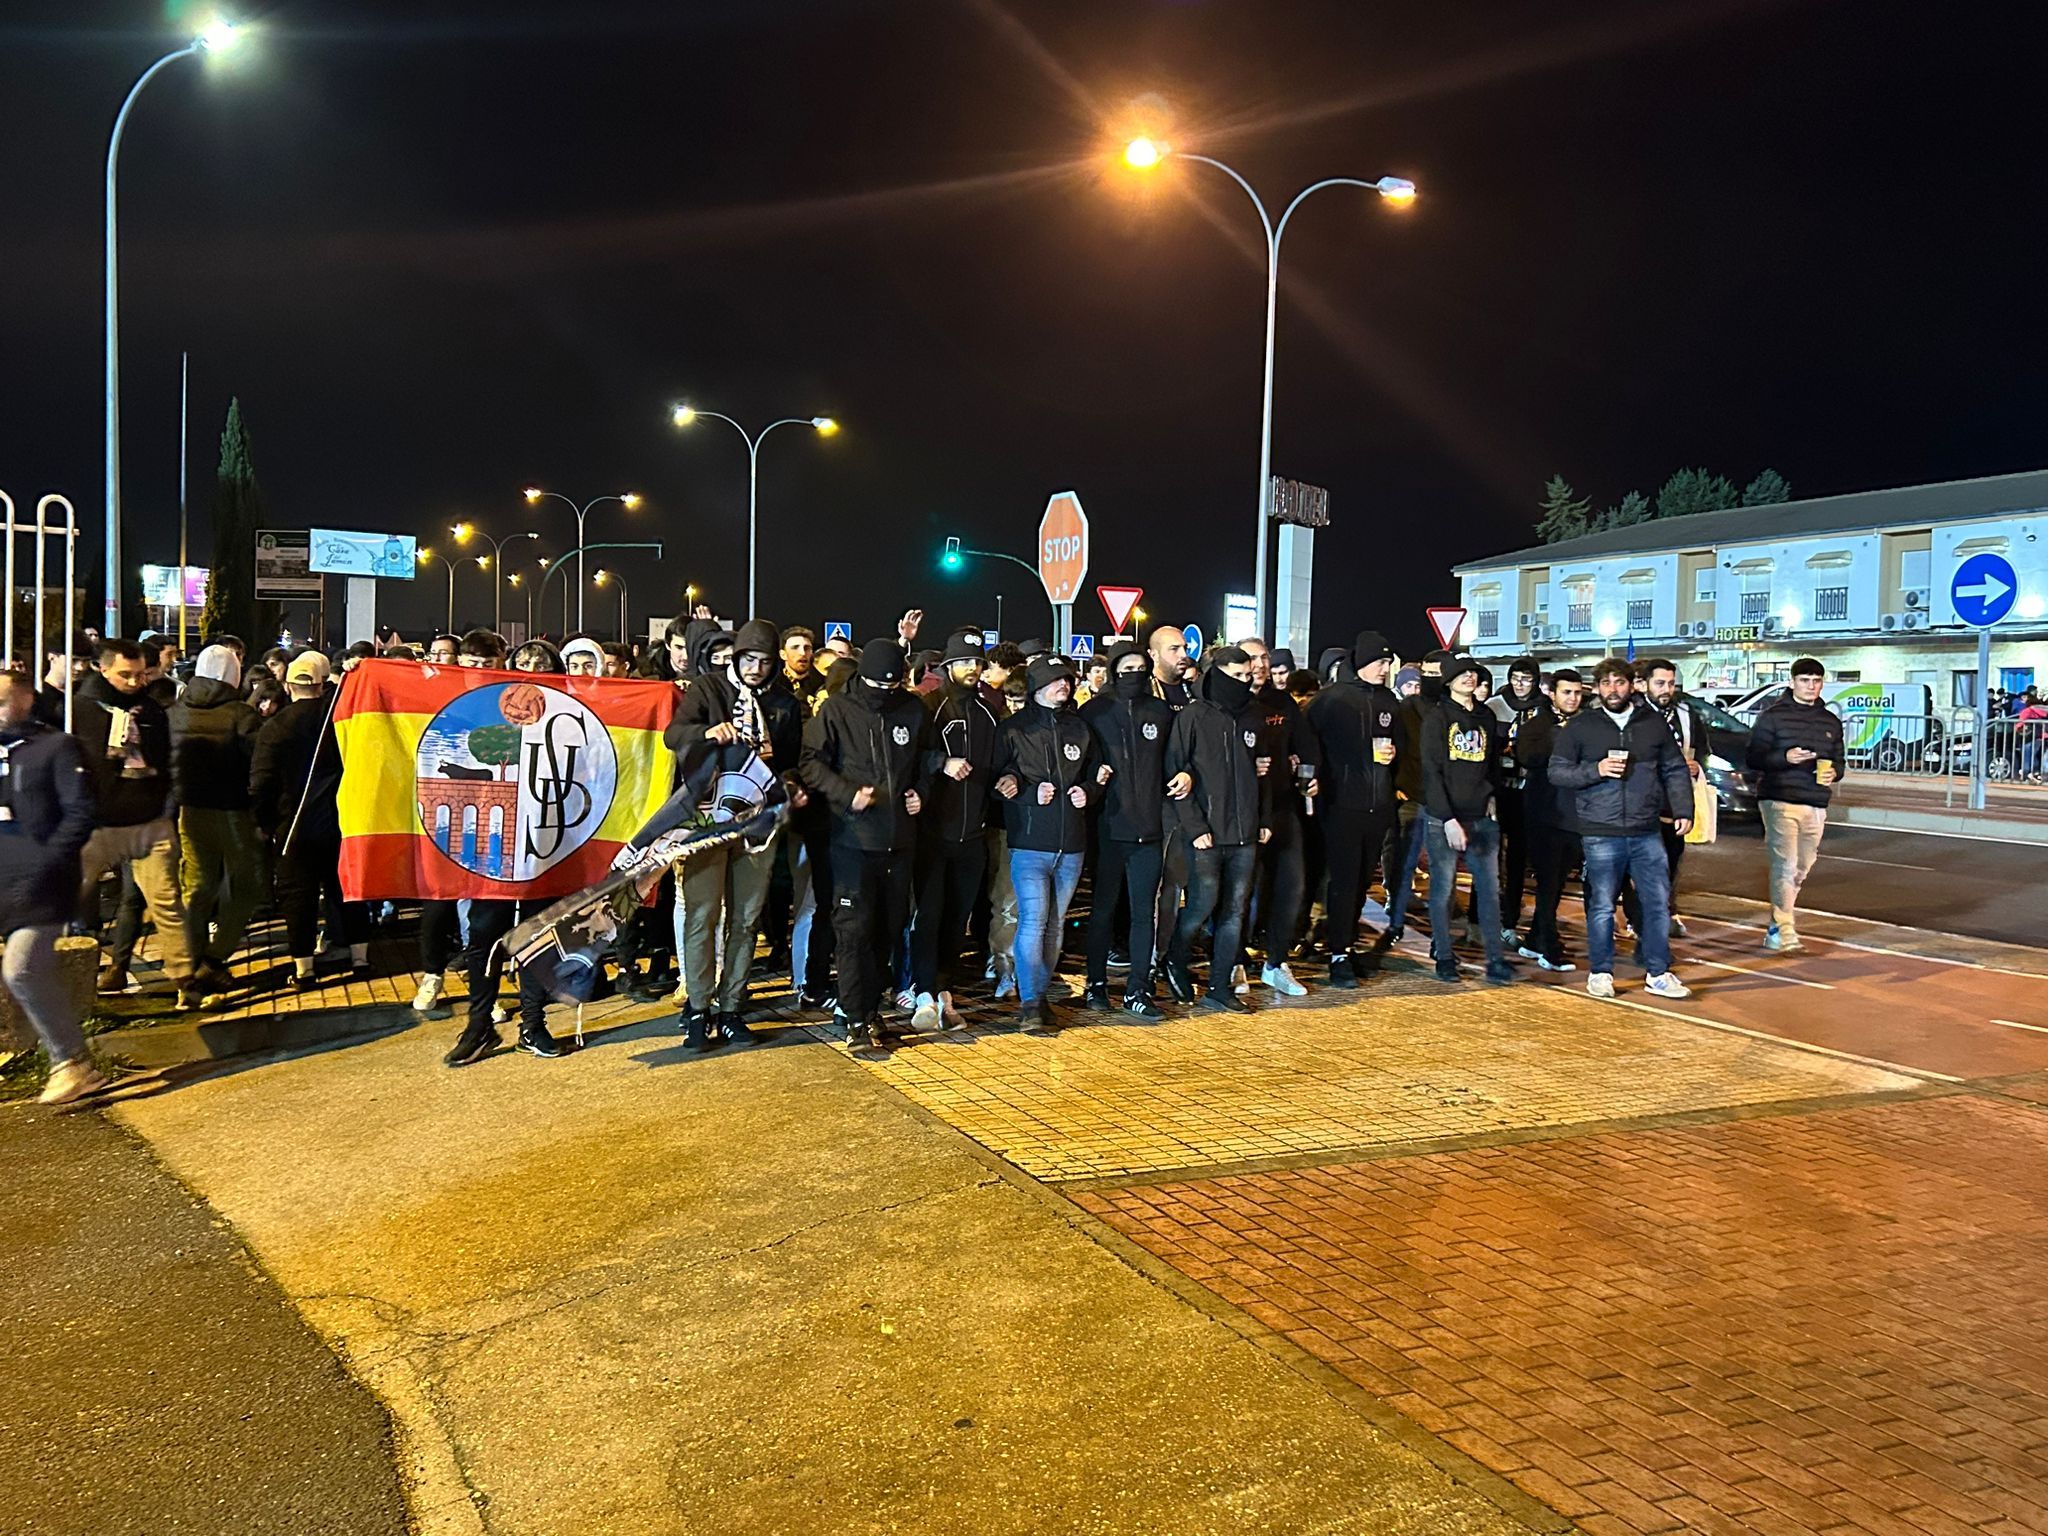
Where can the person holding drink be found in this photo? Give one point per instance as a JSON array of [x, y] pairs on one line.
[[1796, 745]]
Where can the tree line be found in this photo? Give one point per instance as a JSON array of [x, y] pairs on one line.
[[1567, 515]]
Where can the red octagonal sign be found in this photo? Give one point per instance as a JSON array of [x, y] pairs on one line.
[[1063, 547]]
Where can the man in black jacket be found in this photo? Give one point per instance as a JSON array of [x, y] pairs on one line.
[[1046, 776], [1552, 828], [1224, 814], [1658, 686], [1460, 780], [45, 819], [126, 738], [744, 704], [213, 742], [1356, 719], [1405, 841], [1131, 726], [952, 852], [1287, 754], [1624, 767], [1514, 706], [1796, 745], [868, 752]]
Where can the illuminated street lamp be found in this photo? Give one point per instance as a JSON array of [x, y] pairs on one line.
[[686, 415], [426, 557], [463, 533], [606, 578], [1143, 154], [218, 37], [535, 495]]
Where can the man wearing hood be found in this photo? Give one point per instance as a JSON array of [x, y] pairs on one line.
[[213, 743], [1046, 775], [126, 738], [952, 848], [869, 752], [1553, 826], [1225, 814], [1287, 754], [1356, 718], [1404, 843], [719, 897], [1460, 783], [1514, 706], [1131, 726]]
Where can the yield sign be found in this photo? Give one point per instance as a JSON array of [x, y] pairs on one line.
[[1063, 547], [1445, 622], [1118, 602]]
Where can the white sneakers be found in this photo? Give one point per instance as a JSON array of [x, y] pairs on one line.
[[1783, 940], [1239, 982], [1600, 984], [925, 1015], [1663, 984], [1281, 980], [1546, 964], [429, 993], [949, 1016], [71, 1080]]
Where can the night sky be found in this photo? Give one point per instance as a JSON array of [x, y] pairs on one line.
[[441, 251]]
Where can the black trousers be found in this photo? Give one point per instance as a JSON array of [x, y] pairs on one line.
[[1279, 879], [307, 874], [1173, 879], [1353, 842], [1509, 807], [489, 921], [816, 835], [1124, 870], [1552, 853], [1219, 884], [440, 935], [949, 877], [870, 904]]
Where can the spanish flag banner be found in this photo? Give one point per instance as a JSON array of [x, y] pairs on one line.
[[458, 782]]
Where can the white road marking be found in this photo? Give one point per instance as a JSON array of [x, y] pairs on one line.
[[2039, 1029], [1849, 858], [1879, 949]]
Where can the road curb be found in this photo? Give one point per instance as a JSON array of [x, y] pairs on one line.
[[1942, 823]]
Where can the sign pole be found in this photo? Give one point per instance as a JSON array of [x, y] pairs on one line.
[[184, 455], [1983, 745]]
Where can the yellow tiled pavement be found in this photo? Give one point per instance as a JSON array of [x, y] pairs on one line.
[[1397, 1061]]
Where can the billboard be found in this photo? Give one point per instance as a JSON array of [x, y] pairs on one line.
[[160, 586], [344, 552], [283, 564]]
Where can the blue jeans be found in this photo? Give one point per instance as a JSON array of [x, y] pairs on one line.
[[1642, 859], [1045, 884], [1397, 864], [1482, 857]]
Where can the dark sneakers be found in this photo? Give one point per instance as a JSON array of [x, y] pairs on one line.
[[1500, 973], [538, 1042], [862, 1038], [1179, 981], [1096, 998], [1037, 1018], [697, 1031], [1342, 973], [735, 1030], [1448, 974], [1224, 1000], [473, 1047], [1139, 1006]]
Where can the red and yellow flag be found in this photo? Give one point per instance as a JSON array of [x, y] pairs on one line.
[[458, 782]]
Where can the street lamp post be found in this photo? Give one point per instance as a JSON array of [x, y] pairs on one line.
[[602, 579], [1144, 154], [426, 557], [684, 415], [516, 582], [534, 494], [217, 38], [463, 533]]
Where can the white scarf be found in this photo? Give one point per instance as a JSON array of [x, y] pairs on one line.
[[748, 719]]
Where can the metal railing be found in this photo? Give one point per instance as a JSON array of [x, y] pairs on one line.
[[1943, 748], [2016, 751]]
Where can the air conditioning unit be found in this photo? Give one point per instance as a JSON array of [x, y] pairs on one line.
[[1774, 625], [1892, 621], [1916, 598], [1913, 621], [1528, 621], [1545, 633], [1702, 629]]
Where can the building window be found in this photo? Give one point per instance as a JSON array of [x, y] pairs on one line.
[[1639, 615], [1831, 605], [1913, 568], [1489, 623], [1542, 597], [1578, 618], [1703, 583], [1756, 606]]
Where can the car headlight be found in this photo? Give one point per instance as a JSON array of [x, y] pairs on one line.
[[1716, 763]]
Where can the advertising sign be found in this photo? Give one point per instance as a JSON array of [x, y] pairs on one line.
[[345, 552], [283, 570], [160, 586]]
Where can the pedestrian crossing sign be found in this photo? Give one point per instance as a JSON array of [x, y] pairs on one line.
[[1081, 647], [839, 629]]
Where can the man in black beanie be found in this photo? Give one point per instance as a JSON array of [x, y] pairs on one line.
[[952, 852], [1404, 844], [1357, 720], [1131, 726], [868, 751]]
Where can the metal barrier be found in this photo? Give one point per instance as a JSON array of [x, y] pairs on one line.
[[2016, 751], [43, 529]]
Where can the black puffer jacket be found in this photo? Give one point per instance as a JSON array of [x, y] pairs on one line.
[[297, 744], [1130, 735], [862, 737], [47, 790], [123, 801], [1047, 746], [1230, 802], [1655, 786], [1544, 804], [213, 742], [1788, 724], [966, 728], [1348, 716]]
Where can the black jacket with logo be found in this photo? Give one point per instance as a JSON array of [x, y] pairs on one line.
[[1286, 737], [863, 736], [123, 802], [1655, 786], [1787, 724], [1346, 717], [1047, 746], [966, 728], [1230, 802], [1513, 714], [1460, 761], [1130, 736]]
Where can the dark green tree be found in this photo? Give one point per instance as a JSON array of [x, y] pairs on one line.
[[1564, 515], [497, 745], [1694, 490], [1766, 490], [1632, 509], [237, 513]]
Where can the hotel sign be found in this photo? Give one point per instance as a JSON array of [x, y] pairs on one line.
[[1738, 633]]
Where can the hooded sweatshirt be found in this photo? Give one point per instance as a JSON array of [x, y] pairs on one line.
[[768, 719], [1131, 726], [870, 736], [1214, 740], [966, 728], [1045, 744], [213, 736], [1460, 761], [1350, 715]]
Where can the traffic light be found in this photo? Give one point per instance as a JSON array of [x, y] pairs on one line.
[[951, 558]]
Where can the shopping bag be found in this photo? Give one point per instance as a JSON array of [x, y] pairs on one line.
[[1706, 812]]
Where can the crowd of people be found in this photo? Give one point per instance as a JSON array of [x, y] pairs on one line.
[[945, 805]]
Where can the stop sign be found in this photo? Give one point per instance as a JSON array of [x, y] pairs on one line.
[[1063, 547]]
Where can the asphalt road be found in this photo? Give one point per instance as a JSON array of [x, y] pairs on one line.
[[155, 1380], [1984, 890]]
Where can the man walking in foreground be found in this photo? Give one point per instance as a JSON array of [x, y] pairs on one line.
[[1626, 772], [1796, 745]]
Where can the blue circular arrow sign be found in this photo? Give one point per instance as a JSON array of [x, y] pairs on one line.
[[1983, 590]]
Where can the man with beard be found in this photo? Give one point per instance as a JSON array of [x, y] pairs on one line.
[[1552, 827], [1460, 779], [720, 894], [1356, 718], [868, 752], [1131, 727], [952, 852], [1224, 815], [1286, 754], [1514, 706], [1660, 690]]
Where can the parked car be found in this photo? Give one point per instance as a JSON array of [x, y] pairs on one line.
[[1727, 766]]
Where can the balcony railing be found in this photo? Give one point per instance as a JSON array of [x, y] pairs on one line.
[[1756, 607], [1578, 618], [1489, 623], [1831, 605], [1639, 615]]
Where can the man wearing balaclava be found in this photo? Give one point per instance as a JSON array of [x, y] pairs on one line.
[[1131, 725], [952, 846], [1046, 778], [742, 713], [1404, 844], [1356, 719], [869, 750], [1225, 815], [213, 743], [1515, 706]]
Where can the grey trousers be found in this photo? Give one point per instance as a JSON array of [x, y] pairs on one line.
[[721, 897], [222, 864], [38, 985]]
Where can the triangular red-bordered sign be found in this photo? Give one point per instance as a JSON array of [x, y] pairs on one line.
[[1118, 602], [1445, 621]]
